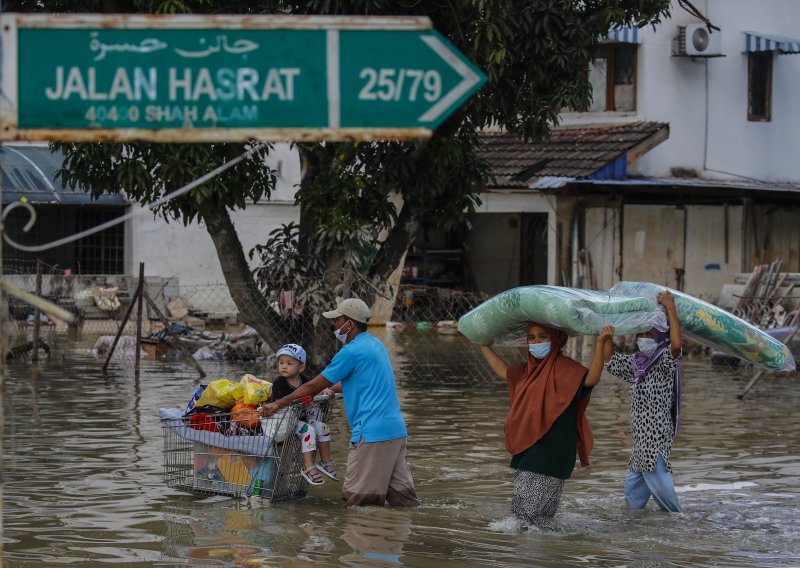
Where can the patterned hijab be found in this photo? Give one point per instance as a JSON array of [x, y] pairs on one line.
[[642, 364], [539, 392]]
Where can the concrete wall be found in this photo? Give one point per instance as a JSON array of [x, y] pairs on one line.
[[602, 242], [172, 249], [653, 244], [657, 240], [774, 233], [713, 255]]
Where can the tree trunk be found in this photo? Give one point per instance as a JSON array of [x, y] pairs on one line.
[[253, 307], [396, 245]]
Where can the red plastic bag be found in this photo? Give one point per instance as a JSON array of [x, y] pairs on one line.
[[202, 421]]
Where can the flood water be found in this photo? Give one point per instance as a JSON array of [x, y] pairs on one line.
[[82, 480]]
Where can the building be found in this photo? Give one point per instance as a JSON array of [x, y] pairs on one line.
[[682, 171], [715, 197], [167, 249]]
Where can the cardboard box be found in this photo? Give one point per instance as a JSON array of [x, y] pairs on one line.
[[154, 349]]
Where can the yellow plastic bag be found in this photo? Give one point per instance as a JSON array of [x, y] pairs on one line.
[[222, 393], [255, 390]]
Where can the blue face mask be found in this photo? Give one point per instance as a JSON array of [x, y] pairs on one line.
[[646, 345], [539, 350]]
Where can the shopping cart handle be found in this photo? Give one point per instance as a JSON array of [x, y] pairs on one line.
[[319, 398]]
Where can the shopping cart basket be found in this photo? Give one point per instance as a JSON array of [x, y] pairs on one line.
[[239, 454]]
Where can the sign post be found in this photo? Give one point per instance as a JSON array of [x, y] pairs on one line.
[[227, 78]]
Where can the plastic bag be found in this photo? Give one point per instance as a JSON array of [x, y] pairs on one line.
[[203, 421], [277, 425], [584, 312], [245, 415], [198, 392], [222, 393], [255, 390]]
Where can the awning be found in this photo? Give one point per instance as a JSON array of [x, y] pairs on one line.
[[624, 34], [757, 41], [698, 189], [28, 170]]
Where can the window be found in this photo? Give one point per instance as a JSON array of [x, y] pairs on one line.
[[103, 252], [759, 86], [613, 78]]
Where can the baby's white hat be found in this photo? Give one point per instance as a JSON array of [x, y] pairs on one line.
[[293, 350]]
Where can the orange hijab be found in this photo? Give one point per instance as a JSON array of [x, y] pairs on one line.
[[539, 392]]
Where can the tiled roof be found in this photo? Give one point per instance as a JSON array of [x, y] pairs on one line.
[[570, 152]]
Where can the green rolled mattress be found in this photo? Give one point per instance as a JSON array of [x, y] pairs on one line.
[[716, 328], [584, 312]]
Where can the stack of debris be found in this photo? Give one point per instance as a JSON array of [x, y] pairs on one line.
[[766, 298]]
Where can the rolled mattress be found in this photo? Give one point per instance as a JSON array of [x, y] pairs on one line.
[[716, 328], [576, 311]]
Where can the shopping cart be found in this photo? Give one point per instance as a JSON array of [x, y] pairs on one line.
[[239, 454]]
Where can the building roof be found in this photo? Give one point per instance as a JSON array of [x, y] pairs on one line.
[[568, 154], [28, 171], [696, 190]]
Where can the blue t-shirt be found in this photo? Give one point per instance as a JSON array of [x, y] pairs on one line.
[[370, 397]]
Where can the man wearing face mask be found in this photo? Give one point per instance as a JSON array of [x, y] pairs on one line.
[[654, 373], [377, 472]]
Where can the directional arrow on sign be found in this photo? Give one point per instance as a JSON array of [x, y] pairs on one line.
[[472, 79], [225, 78], [402, 78]]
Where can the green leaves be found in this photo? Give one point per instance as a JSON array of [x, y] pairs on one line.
[[535, 54], [146, 172]]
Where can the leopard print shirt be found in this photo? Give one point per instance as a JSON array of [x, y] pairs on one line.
[[652, 427]]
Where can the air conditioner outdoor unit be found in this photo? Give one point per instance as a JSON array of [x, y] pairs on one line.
[[696, 40]]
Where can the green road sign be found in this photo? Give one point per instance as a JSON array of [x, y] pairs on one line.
[[205, 78]]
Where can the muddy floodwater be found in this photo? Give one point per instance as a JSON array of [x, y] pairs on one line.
[[83, 482]]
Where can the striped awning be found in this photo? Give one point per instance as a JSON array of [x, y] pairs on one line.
[[757, 41], [624, 34]]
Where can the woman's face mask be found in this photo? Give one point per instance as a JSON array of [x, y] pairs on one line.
[[646, 345], [539, 350]]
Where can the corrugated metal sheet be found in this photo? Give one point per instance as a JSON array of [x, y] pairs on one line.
[[633, 184]]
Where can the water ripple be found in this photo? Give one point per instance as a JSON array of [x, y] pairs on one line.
[[82, 481]]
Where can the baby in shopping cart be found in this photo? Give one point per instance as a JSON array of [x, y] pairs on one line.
[[312, 431]]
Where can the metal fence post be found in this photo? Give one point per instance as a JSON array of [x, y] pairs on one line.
[[37, 314], [122, 325], [140, 303]]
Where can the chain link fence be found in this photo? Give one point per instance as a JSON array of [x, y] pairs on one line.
[[202, 323]]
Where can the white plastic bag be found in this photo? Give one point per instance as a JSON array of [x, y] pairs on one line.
[[277, 425]]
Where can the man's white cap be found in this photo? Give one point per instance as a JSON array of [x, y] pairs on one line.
[[352, 308]]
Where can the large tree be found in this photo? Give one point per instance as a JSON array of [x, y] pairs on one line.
[[351, 234]]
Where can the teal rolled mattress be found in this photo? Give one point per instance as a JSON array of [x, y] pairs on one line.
[[716, 328], [505, 316]]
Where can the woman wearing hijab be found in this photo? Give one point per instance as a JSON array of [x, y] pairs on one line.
[[654, 373], [547, 423]]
